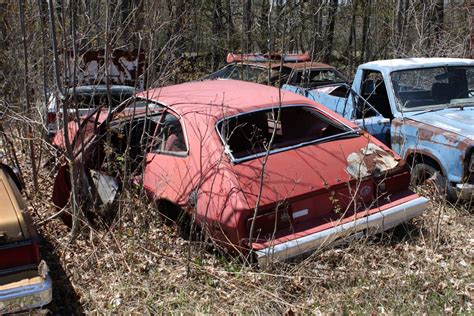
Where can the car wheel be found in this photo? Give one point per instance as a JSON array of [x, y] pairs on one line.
[[175, 214], [424, 175]]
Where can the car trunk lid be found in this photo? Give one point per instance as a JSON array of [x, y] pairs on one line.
[[333, 180], [313, 169]]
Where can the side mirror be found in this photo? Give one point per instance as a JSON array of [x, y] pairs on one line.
[[368, 87]]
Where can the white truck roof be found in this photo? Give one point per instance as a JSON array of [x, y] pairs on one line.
[[390, 65]]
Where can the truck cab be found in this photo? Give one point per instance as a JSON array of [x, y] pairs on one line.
[[423, 108]]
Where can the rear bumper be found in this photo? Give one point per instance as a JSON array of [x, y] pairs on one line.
[[26, 297], [376, 222], [465, 191]]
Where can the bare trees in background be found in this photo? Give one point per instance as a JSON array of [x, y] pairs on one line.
[[183, 40], [345, 32]]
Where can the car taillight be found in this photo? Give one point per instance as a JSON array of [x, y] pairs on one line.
[[51, 117], [19, 254]]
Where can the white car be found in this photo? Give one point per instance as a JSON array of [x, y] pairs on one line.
[[82, 100]]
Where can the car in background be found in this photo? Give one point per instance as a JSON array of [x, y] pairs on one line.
[[272, 173], [86, 86], [294, 69], [24, 279], [84, 99]]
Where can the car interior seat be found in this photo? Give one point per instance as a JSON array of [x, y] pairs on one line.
[[442, 92]]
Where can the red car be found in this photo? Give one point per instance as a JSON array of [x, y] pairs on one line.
[[258, 168], [296, 70]]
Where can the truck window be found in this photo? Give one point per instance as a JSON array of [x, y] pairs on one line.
[[363, 109], [375, 92], [433, 88]]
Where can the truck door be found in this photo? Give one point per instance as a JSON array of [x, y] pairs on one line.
[[373, 111], [369, 119]]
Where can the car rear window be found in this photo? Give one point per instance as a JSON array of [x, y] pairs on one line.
[[247, 136]]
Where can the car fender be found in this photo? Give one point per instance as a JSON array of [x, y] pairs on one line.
[[410, 138]]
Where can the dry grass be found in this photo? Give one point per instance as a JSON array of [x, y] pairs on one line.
[[142, 265]]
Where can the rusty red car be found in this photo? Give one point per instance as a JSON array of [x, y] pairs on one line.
[[276, 69], [261, 170]]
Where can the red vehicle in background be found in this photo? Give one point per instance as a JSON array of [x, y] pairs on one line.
[[279, 69], [257, 168]]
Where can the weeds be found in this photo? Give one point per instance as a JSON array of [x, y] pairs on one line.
[[141, 266]]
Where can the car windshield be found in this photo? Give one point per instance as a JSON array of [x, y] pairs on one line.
[[310, 78], [433, 88], [247, 136]]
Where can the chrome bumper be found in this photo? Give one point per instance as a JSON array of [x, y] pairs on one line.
[[377, 222], [26, 297], [465, 191]]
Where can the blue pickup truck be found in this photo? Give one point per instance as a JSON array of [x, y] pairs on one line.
[[423, 108]]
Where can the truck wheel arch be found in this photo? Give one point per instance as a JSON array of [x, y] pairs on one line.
[[427, 162], [414, 157]]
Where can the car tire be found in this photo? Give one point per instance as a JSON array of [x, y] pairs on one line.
[[425, 174], [182, 219]]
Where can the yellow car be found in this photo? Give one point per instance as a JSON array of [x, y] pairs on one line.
[[24, 279]]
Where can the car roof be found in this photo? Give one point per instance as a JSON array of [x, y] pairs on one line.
[[12, 222], [307, 65], [295, 65], [411, 63], [221, 96]]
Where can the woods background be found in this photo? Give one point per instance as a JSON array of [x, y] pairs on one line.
[[185, 39]]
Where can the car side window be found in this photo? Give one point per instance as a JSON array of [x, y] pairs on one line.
[[237, 72], [375, 92], [258, 75], [224, 72], [169, 137]]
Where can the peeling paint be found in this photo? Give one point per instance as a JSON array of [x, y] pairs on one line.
[[371, 160]]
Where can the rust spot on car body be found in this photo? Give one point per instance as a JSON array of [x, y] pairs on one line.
[[427, 132], [398, 139]]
